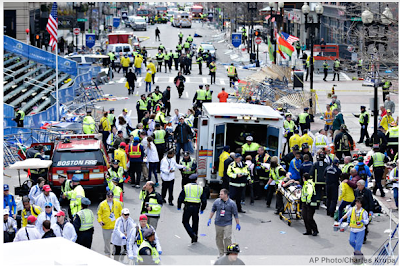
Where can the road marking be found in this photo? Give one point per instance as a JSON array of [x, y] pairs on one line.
[[187, 79], [139, 80], [212, 262], [171, 79], [222, 81], [129, 113], [155, 79], [345, 76], [204, 80], [187, 94], [140, 84], [177, 236], [121, 80]]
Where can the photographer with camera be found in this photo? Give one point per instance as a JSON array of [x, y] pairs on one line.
[[239, 175]]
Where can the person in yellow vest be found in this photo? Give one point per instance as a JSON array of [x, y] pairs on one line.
[[328, 118], [213, 70], [261, 174], [326, 67], [308, 66], [120, 155], [141, 107], [309, 205], [387, 120], [19, 117], [336, 68], [108, 211], [111, 117], [357, 218], [160, 117], [250, 147], [75, 196], [159, 137], [359, 67], [392, 137], [224, 155], [378, 160], [363, 120], [116, 171], [232, 75], [112, 185], [305, 138], [29, 209], [239, 175], [151, 203], [289, 127], [89, 124], [147, 252], [195, 201], [190, 167], [385, 88], [152, 68], [83, 223], [199, 97], [208, 94], [105, 128], [276, 174], [295, 139], [135, 153], [303, 120]]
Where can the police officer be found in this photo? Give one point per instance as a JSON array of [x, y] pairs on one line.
[[190, 168], [175, 56], [261, 173], [189, 39], [116, 171], [317, 174], [303, 120], [75, 196], [276, 174], [250, 147], [159, 137], [199, 97], [186, 45], [159, 58], [239, 175], [232, 73], [332, 174], [66, 185], [385, 88], [289, 127], [141, 106], [147, 252], [359, 67], [83, 223], [19, 117], [161, 47], [208, 94], [179, 48], [213, 70], [195, 200], [326, 66], [378, 160], [116, 190], [392, 137], [180, 35], [199, 61], [363, 120], [89, 124], [336, 68], [167, 58], [309, 204]]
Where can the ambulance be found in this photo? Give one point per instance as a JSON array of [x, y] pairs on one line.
[[224, 124]]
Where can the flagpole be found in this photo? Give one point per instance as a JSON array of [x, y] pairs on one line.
[[57, 104]]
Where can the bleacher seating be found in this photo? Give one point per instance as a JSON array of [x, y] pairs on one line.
[[29, 82]]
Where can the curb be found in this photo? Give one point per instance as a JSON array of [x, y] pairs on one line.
[[386, 210]]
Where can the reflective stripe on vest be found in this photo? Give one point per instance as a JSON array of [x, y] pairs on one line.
[[393, 135], [110, 118], [302, 118], [362, 117], [154, 253], [22, 114], [275, 173], [142, 105], [288, 125], [139, 239], [320, 141], [354, 219], [134, 154], [192, 193], [86, 216], [231, 71], [159, 136], [188, 165], [201, 95], [378, 159]]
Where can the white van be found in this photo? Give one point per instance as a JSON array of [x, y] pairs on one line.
[[221, 124], [120, 48], [137, 23], [182, 18]]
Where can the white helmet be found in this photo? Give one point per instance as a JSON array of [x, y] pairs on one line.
[[249, 138]]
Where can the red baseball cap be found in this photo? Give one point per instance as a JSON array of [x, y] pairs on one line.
[[46, 188], [31, 219], [60, 213], [143, 217]]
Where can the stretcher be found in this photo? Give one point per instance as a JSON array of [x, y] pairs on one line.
[[292, 195]]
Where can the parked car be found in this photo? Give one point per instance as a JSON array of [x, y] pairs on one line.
[[208, 46], [137, 23]]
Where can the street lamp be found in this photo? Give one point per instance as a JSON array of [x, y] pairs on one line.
[[319, 9], [368, 19]]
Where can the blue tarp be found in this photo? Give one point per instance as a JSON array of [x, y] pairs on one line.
[[40, 56]]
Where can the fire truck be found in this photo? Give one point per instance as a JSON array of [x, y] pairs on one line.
[[197, 11]]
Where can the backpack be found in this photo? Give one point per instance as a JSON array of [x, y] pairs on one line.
[[362, 173], [345, 143]]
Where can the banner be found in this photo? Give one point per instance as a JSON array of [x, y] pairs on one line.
[[40, 56], [90, 40]]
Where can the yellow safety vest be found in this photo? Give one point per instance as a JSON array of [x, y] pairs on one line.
[[231, 71], [139, 240], [362, 117], [159, 136], [289, 126], [110, 118], [213, 67], [66, 187], [307, 192], [379, 159], [208, 95], [337, 64], [86, 216], [188, 165], [320, 141], [354, 219], [302, 118], [118, 174], [253, 147], [88, 125], [393, 134], [134, 154], [193, 193], [155, 207], [233, 171], [154, 253], [201, 95], [22, 114], [142, 105], [274, 173], [75, 197]]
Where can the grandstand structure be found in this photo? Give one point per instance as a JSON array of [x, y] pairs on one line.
[[29, 84]]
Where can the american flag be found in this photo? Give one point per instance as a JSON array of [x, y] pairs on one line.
[[289, 38], [52, 25]]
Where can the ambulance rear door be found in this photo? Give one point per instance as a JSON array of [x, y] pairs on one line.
[[219, 140], [202, 146], [273, 141]]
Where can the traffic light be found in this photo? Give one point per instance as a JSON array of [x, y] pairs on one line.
[[257, 33]]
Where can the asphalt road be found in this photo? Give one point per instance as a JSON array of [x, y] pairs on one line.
[[264, 238]]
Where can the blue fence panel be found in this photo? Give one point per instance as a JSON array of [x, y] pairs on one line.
[[8, 115]]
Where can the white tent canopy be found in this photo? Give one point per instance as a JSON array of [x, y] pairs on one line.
[[32, 163]]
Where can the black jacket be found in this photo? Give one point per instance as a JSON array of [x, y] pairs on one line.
[[367, 202], [166, 96], [182, 80], [338, 139], [226, 164], [317, 171], [49, 234], [131, 77], [153, 194], [332, 174], [182, 133]]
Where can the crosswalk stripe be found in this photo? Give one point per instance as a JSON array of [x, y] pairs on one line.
[[195, 80], [121, 80], [129, 113], [204, 80], [155, 79], [139, 79], [187, 94], [222, 81], [171, 79], [187, 79], [345, 76]]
